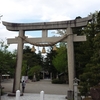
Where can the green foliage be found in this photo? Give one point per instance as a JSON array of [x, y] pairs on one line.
[[87, 98], [30, 59], [47, 63], [7, 60], [58, 81], [61, 32], [24, 68], [2, 92], [35, 71], [85, 83], [89, 78], [60, 60], [91, 72]]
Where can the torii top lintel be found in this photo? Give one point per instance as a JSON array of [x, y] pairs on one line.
[[80, 22]]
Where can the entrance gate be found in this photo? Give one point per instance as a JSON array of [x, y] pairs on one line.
[[44, 26]]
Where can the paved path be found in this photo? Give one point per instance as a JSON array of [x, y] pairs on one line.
[[30, 96], [32, 90]]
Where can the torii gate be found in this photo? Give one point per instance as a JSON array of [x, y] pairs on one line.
[[44, 26]]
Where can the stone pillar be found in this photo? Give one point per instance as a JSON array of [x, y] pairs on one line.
[[18, 95], [44, 33], [19, 60], [70, 95], [75, 91], [70, 52], [42, 95]]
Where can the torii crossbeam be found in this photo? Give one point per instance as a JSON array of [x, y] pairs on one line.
[[44, 26]]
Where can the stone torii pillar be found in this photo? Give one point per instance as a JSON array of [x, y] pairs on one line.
[[70, 53], [44, 26], [19, 61]]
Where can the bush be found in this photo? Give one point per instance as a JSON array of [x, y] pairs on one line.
[[58, 81], [87, 98], [1, 91]]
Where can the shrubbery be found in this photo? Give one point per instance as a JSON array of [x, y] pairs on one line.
[[58, 81]]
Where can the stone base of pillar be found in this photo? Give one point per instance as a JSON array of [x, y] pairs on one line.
[[70, 95], [14, 94]]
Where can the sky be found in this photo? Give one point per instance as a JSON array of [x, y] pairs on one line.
[[31, 11]]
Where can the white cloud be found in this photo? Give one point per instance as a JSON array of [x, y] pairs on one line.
[[17, 10]]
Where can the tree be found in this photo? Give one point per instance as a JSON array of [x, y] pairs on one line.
[[7, 59], [47, 63], [91, 74], [30, 59], [60, 60], [34, 71]]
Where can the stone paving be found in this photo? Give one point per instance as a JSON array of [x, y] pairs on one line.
[[30, 96], [32, 90]]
